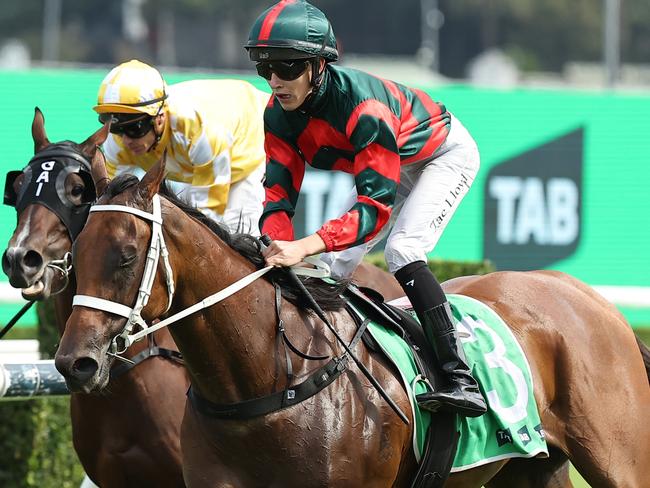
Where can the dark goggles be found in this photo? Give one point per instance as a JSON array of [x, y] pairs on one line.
[[134, 126], [285, 70]]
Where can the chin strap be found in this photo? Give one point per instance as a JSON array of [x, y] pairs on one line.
[[316, 74], [158, 136], [316, 82], [160, 108]]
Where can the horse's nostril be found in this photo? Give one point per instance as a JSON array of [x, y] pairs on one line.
[[6, 263], [83, 369], [32, 259]]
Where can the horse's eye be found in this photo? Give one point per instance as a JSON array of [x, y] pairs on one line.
[[77, 191], [127, 256], [127, 260]]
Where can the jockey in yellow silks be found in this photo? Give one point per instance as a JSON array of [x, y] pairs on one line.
[[211, 131]]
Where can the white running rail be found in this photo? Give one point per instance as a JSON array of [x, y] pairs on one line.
[[19, 351], [626, 296], [9, 294]]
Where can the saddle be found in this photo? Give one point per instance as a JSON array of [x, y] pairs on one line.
[[442, 437]]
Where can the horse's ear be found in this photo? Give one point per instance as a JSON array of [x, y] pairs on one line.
[[38, 131], [99, 173], [91, 148], [150, 183]]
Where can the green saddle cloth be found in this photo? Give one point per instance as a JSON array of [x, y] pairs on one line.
[[511, 427]]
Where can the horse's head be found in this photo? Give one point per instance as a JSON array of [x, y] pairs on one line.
[[51, 195], [109, 258]]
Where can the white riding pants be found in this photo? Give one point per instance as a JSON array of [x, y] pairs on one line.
[[245, 204], [245, 200], [428, 194]]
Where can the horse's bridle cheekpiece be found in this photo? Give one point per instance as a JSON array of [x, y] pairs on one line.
[[158, 249], [44, 184]]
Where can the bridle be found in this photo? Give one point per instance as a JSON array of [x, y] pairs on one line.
[[157, 248], [63, 266], [44, 184]]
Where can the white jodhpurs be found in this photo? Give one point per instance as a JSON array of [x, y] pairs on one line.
[[428, 194], [245, 200], [245, 204], [244, 207]]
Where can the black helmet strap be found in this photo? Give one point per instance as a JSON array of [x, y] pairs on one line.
[[316, 73], [155, 132], [160, 107]]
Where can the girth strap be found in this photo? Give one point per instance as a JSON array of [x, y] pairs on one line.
[[441, 437], [319, 379]]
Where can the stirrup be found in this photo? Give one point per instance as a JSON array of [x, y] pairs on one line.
[[465, 409]]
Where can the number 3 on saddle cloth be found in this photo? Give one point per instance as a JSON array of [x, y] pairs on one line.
[[511, 427]]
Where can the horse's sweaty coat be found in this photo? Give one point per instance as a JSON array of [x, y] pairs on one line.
[[512, 427], [574, 341]]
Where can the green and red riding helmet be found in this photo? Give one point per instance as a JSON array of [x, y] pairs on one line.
[[292, 29]]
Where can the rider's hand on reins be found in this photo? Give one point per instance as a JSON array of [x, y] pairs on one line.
[[290, 253]]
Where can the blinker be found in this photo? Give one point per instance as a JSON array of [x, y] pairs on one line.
[[44, 184]]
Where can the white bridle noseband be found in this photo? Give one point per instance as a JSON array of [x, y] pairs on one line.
[[157, 248]]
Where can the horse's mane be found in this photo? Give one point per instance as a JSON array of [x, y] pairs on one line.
[[327, 295]]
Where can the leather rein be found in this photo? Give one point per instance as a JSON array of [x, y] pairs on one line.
[[318, 380]]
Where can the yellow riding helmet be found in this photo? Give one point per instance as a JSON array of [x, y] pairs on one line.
[[130, 88]]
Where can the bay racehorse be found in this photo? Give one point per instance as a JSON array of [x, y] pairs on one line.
[[589, 371], [129, 436]]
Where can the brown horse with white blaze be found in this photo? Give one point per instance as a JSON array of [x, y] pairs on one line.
[[129, 436], [591, 383]]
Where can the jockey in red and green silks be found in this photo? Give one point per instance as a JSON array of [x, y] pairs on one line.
[[411, 159]]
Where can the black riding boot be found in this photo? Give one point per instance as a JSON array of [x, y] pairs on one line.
[[462, 394]]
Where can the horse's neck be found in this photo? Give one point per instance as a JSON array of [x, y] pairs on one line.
[[229, 348]]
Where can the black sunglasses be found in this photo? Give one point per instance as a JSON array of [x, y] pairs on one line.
[[285, 70], [134, 127]]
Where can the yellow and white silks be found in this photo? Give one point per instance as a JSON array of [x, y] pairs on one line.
[[214, 138]]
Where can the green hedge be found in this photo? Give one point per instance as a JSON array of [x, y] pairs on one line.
[[20, 333], [35, 435], [443, 269]]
